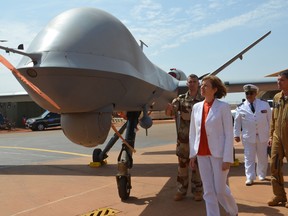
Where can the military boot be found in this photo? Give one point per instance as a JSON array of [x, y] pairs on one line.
[[179, 196], [198, 196], [277, 200]]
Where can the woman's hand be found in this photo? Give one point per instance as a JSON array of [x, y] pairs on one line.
[[237, 139], [226, 166]]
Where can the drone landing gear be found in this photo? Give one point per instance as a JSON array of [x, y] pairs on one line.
[[123, 177], [125, 160], [99, 155]]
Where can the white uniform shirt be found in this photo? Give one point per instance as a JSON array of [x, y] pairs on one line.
[[252, 124]]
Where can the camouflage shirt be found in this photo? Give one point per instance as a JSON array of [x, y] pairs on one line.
[[182, 106]]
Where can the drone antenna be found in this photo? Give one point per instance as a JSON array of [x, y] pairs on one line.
[[141, 44]]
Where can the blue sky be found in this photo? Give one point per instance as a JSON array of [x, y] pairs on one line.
[[196, 36]]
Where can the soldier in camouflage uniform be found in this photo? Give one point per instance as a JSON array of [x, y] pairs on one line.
[[279, 140], [181, 108]]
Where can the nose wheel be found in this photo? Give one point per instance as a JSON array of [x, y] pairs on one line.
[[125, 160], [124, 186]]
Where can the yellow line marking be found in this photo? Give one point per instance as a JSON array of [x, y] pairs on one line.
[[46, 150]]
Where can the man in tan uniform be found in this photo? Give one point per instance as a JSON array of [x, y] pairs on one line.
[[279, 140], [181, 108]]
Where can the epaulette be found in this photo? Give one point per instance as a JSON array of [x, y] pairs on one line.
[[240, 104]]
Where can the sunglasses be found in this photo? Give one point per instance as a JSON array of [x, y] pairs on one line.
[[249, 93]]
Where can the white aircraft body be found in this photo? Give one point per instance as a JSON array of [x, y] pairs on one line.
[[85, 64]]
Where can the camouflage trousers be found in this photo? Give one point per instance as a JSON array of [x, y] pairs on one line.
[[183, 177]]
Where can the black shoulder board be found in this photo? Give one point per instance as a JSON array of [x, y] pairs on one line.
[[240, 104]]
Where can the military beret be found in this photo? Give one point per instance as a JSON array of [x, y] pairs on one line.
[[250, 87]]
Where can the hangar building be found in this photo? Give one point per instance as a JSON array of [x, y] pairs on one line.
[[18, 106]]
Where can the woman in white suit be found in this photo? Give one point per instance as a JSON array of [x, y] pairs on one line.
[[211, 141]]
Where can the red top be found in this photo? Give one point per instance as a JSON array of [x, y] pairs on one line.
[[203, 146]]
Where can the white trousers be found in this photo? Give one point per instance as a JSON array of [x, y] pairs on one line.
[[215, 187], [253, 151]]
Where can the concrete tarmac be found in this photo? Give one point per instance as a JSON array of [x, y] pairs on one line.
[[69, 186]]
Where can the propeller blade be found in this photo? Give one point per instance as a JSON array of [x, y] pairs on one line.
[[16, 73]]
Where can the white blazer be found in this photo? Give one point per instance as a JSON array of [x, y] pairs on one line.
[[253, 123], [219, 130]]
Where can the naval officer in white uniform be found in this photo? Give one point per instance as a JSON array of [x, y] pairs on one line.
[[252, 120]]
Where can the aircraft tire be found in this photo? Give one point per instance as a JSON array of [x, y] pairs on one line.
[[124, 187], [96, 155]]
